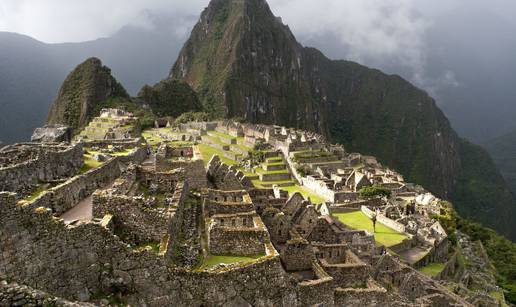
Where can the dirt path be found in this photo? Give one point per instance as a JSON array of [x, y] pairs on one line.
[[83, 211]]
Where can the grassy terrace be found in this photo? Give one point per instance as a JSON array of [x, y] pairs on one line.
[[383, 235], [260, 170], [311, 154], [274, 160], [213, 260], [217, 133], [243, 147], [260, 184], [432, 269], [216, 140], [42, 188], [316, 199], [153, 139], [89, 163], [207, 152], [274, 163]]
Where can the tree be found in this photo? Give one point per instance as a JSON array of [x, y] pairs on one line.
[[374, 191]]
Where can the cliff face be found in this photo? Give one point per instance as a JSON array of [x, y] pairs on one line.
[[88, 85], [243, 62]]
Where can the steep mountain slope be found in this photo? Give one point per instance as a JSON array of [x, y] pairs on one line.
[[243, 62], [503, 151], [170, 98], [87, 86], [32, 71]]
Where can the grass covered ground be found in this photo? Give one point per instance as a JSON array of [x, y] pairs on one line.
[[383, 235], [89, 163], [213, 260], [432, 269], [316, 199], [207, 152]]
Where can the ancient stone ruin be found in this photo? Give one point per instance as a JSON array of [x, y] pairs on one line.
[[209, 214]]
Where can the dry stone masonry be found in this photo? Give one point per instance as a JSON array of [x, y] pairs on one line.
[[154, 223]]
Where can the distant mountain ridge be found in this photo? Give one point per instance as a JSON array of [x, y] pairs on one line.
[[503, 151], [32, 71], [243, 62]]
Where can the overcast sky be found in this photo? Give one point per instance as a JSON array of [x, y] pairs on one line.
[[375, 32], [390, 30]]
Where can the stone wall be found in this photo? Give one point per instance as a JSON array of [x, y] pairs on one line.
[[213, 207], [380, 218], [13, 294], [297, 255], [318, 292], [76, 262], [122, 143], [373, 295], [353, 273], [165, 182], [195, 173], [237, 241], [52, 162], [65, 196], [184, 243], [224, 177], [134, 221]]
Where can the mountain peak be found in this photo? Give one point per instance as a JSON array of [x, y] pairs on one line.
[[244, 63], [87, 86]]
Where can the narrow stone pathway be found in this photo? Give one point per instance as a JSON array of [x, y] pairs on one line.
[[83, 211]]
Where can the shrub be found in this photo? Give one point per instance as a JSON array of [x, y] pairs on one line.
[[374, 191]]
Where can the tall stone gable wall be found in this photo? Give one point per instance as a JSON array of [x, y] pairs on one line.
[[195, 173], [135, 222]]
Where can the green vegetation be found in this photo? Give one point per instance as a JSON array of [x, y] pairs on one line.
[[193, 117], [383, 235], [153, 246], [374, 191], [213, 260], [145, 117], [268, 184], [316, 199], [170, 97], [260, 170], [224, 135], [153, 139], [40, 190], [311, 154], [89, 163], [501, 251], [432, 269], [208, 152]]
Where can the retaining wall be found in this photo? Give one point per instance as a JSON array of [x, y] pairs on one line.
[[76, 262]]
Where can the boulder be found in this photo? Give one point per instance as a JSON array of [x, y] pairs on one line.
[[52, 134]]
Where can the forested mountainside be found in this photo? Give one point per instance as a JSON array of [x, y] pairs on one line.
[[245, 63]]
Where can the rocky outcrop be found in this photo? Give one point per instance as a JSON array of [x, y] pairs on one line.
[[243, 62], [88, 86], [52, 134]]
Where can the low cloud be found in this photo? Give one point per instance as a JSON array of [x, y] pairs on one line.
[[388, 34]]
